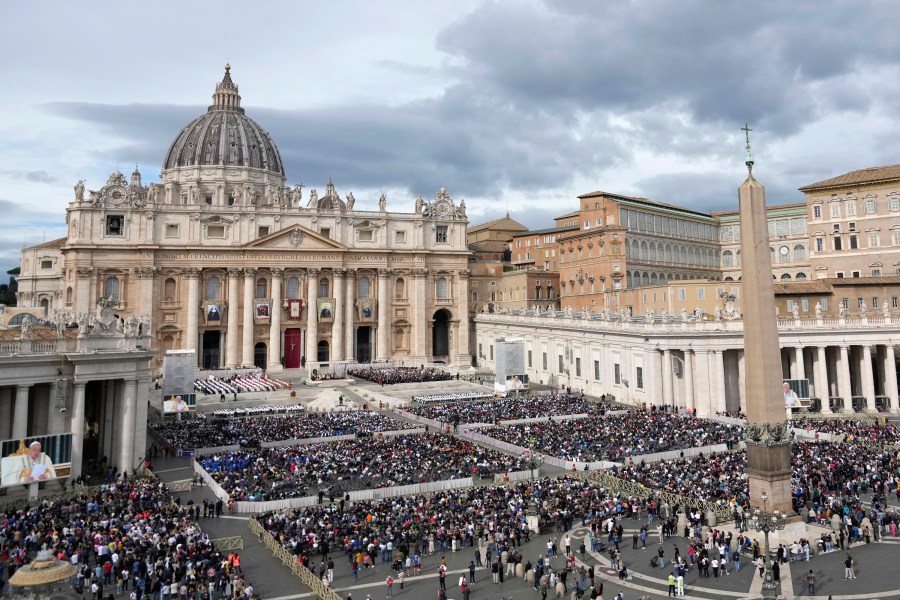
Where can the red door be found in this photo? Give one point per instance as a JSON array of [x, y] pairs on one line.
[[292, 348]]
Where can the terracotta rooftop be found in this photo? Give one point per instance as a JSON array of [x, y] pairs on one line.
[[562, 229], [870, 175], [816, 286], [644, 201], [507, 222], [58, 243]]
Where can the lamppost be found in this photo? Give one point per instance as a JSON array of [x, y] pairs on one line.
[[764, 521]]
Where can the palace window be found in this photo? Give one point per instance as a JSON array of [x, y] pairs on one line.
[[261, 288], [870, 206], [363, 287], [213, 288], [442, 289], [293, 288], [111, 289], [440, 234], [323, 288]]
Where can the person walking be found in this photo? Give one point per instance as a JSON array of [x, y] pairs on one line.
[[811, 583], [848, 568], [679, 584], [390, 586]]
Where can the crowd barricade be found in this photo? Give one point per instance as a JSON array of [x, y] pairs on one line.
[[302, 441], [214, 486], [671, 454], [567, 464], [515, 475], [727, 420], [214, 450], [397, 432], [423, 420], [630, 488], [307, 577], [245, 506], [410, 490], [812, 434], [545, 419]]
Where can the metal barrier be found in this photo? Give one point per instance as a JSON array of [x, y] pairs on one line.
[[307, 577], [638, 490], [182, 485], [228, 543]]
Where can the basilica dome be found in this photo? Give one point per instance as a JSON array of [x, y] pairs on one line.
[[225, 136]]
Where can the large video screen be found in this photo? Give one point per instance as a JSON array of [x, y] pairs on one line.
[[795, 390], [179, 403], [35, 459], [515, 383]]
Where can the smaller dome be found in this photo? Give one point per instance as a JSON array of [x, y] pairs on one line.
[[225, 136], [330, 201]]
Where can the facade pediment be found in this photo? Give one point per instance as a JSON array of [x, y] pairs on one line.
[[295, 237]]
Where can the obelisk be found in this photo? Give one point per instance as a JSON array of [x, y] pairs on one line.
[[767, 435]]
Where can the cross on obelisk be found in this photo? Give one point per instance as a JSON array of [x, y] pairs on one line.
[[767, 435]]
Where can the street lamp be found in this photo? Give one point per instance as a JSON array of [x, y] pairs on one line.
[[764, 521]]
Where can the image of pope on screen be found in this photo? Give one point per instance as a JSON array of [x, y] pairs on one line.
[[36, 465]]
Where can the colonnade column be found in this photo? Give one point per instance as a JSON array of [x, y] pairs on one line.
[[823, 391], [20, 412], [742, 381], [127, 425], [702, 383], [464, 346], [419, 323], [193, 309], [655, 379], [312, 277], [337, 326], [247, 337], [867, 379], [668, 391], [350, 284], [890, 376], [232, 359], [688, 381], [6, 411], [717, 381], [382, 352], [843, 372], [77, 429], [800, 368], [147, 275], [274, 353]]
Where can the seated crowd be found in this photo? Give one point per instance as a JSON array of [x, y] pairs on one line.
[[387, 375], [504, 409], [128, 534], [616, 437], [252, 411], [453, 397], [251, 431], [852, 429], [340, 466], [254, 382]]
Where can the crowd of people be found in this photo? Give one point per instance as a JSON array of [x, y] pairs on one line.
[[452, 397], [857, 430], [388, 375], [616, 437], [252, 411], [527, 407], [341, 466], [251, 382], [128, 536], [250, 431]]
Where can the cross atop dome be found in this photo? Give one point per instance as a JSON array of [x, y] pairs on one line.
[[226, 96]]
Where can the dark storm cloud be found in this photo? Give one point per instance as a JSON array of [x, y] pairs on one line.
[[29, 176]]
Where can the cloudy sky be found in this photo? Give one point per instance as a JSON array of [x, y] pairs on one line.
[[519, 104]]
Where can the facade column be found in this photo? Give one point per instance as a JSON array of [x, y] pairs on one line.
[[274, 353], [718, 370], [232, 360], [867, 379], [127, 426], [420, 328], [6, 412], [147, 277], [843, 371], [350, 305], [462, 308], [337, 326], [142, 389], [890, 376], [77, 429], [799, 370], [655, 379], [20, 412], [312, 281], [742, 381], [193, 310], [83, 290], [702, 383], [382, 352], [823, 391], [668, 387], [688, 381], [247, 337]]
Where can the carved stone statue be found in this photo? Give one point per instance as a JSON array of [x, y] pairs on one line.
[[238, 196], [153, 193], [648, 315], [84, 324], [350, 200], [717, 313], [884, 309], [79, 191], [795, 310], [313, 198], [94, 197], [382, 203], [818, 310], [419, 204], [684, 314], [131, 326], [863, 310], [296, 195], [27, 324], [842, 311]]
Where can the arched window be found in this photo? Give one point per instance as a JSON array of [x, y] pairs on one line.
[[786, 276], [111, 289], [169, 290], [728, 258], [400, 288], [323, 288], [443, 291], [213, 288], [737, 258], [363, 287], [799, 252], [800, 276], [293, 288], [262, 287], [45, 304], [69, 295]]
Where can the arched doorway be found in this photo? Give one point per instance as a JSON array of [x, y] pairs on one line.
[[440, 334], [322, 353], [260, 355]]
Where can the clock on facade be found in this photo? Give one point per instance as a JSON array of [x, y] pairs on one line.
[[116, 195], [784, 250]]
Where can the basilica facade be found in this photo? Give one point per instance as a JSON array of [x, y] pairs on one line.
[[222, 257]]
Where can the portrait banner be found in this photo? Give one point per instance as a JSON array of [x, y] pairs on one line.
[[35, 459]]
